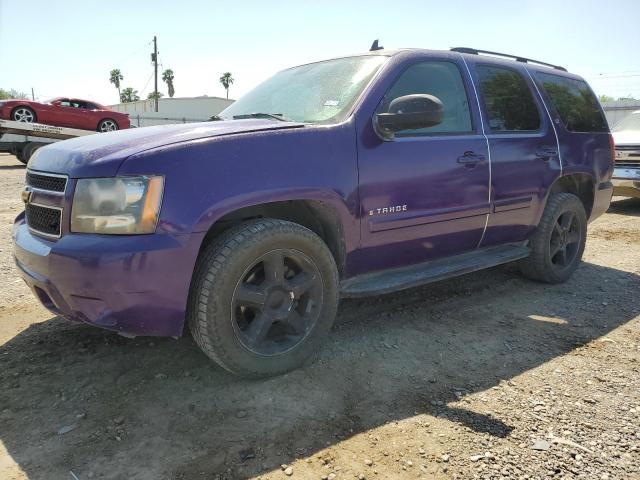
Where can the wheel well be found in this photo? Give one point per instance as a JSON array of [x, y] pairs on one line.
[[318, 217], [579, 184]]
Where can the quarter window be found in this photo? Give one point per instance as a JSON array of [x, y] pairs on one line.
[[442, 80], [508, 100], [574, 101]]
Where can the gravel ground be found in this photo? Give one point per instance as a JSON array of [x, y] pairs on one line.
[[484, 376]]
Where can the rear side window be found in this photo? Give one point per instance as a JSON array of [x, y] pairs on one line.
[[443, 80], [508, 100], [575, 103]]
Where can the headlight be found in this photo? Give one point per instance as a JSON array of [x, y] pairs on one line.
[[121, 205]]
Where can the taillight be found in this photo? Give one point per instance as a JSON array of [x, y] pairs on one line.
[[612, 144]]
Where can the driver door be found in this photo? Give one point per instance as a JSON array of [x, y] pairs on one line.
[[425, 193]]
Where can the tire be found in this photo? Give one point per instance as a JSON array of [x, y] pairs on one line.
[[263, 297], [23, 114], [558, 243], [107, 125], [20, 155]]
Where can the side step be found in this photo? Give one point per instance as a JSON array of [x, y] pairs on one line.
[[414, 275]]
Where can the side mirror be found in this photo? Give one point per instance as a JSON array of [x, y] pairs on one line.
[[409, 112], [56, 103]]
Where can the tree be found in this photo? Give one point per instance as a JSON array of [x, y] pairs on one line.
[[167, 77], [153, 95], [226, 80], [605, 98], [11, 93], [129, 95], [114, 77]]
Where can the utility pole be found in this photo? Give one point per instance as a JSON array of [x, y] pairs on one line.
[[154, 59], [33, 95]]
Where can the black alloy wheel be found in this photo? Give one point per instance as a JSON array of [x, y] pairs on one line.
[[277, 302]]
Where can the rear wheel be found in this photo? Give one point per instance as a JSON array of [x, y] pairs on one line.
[[107, 125], [27, 151], [263, 297], [559, 240], [23, 114]]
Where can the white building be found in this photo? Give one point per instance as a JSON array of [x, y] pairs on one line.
[[619, 109], [172, 110]]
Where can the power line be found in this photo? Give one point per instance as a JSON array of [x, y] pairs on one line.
[[144, 47], [146, 85]]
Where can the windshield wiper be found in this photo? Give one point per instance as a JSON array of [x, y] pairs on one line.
[[275, 116]]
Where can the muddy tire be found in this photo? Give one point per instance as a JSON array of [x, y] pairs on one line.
[[263, 297], [558, 243]]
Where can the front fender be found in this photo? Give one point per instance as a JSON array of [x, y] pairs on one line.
[[209, 178]]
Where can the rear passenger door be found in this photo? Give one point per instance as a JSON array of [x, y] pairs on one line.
[[523, 147]]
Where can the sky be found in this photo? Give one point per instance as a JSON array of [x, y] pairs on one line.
[[68, 47]]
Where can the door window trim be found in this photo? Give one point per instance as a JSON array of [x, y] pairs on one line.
[[472, 132]]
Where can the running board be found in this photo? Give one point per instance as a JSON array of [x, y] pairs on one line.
[[388, 281]]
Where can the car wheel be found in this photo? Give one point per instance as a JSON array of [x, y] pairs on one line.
[[559, 240], [263, 297], [107, 125], [23, 114]]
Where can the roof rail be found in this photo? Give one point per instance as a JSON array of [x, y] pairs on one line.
[[474, 51]]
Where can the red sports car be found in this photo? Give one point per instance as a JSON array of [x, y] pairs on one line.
[[65, 112]]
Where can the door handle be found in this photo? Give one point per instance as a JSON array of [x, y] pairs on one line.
[[470, 159], [545, 153]]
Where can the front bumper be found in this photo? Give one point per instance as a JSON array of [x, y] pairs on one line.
[[626, 182], [132, 284]]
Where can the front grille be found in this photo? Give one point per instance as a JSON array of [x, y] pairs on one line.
[[44, 220], [46, 182]]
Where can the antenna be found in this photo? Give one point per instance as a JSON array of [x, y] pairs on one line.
[[375, 46]]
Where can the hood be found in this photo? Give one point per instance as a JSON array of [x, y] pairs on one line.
[[101, 154], [626, 137]]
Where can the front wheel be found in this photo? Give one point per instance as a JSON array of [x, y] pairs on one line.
[[107, 125], [23, 114], [559, 240], [263, 297]]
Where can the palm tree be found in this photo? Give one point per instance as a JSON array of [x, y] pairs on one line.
[[129, 95], [153, 95], [226, 80], [167, 77], [114, 77]]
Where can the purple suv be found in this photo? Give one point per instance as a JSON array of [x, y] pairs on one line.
[[354, 176]]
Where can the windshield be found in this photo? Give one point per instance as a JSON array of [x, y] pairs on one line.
[[632, 122], [322, 92]]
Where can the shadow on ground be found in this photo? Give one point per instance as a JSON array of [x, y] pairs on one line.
[[157, 408], [628, 206], [13, 167]]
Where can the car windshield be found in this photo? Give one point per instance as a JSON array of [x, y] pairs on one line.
[[630, 123], [322, 92]]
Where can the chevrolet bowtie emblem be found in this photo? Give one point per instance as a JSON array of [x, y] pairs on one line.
[[26, 194]]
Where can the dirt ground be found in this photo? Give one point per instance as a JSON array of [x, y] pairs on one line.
[[485, 376]]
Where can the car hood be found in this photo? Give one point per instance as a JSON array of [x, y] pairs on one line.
[[101, 154], [627, 137]]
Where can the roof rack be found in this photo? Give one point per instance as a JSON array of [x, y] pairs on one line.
[[474, 51]]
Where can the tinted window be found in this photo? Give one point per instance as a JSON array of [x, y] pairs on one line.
[[575, 103], [443, 80], [508, 100]]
